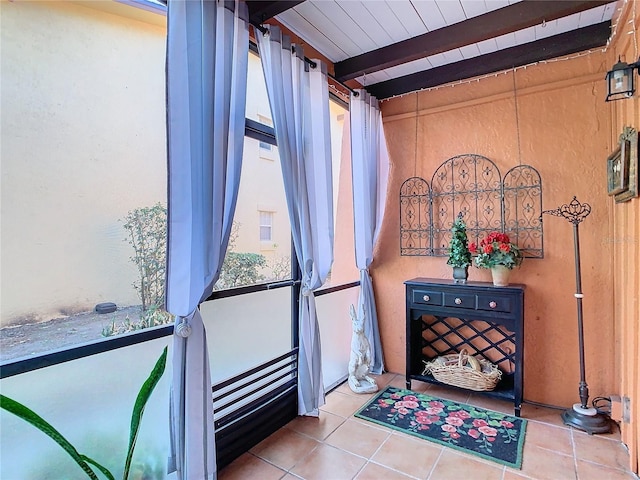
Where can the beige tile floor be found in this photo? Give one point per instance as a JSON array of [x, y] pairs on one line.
[[338, 446]]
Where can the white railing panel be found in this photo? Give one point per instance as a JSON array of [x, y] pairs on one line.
[[335, 332], [89, 401], [247, 330]]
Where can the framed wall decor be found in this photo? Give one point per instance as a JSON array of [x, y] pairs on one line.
[[617, 177], [629, 141]]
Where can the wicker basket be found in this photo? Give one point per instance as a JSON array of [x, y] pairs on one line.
[[457, 370]]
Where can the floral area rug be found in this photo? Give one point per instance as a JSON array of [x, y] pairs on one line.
[[487, 434]]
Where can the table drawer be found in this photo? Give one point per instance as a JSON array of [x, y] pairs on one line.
[[426, 297], [459, 300], [495, 303]]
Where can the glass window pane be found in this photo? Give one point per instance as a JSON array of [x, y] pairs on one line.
[[260, 245], [265, 119], [257, 102], [83, 166], [344, 264], [266, 219]]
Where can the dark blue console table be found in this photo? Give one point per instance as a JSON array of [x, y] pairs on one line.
[[443, 317]]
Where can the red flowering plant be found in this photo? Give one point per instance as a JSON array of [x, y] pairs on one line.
[[496, 249]]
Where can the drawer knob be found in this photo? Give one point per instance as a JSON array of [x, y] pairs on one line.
[[493, 304], [426, 298], [458, 301]]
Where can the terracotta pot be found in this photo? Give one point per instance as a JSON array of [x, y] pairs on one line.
[[500, 275]]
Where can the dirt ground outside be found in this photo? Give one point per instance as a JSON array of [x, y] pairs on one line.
[[31, 339]]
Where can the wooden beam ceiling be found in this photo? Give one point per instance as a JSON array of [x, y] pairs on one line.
[[568, 43], [260, 11], [518, 16]]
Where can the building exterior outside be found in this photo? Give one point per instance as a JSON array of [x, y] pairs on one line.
[[83, 144]]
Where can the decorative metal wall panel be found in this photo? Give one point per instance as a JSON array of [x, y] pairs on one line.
[[415, 218], [471, 185], [467, 184], [522, 200]]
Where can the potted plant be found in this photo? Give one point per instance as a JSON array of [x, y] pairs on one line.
[[497, 253], [87, 464], [459, 254]]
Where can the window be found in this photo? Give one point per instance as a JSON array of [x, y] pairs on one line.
[[266, 120], [257, 252], [344, 268], [267, 150], [123, 186], [266, 225]]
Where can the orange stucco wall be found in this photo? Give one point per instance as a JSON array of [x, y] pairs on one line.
[[563, 127], [626, 244]]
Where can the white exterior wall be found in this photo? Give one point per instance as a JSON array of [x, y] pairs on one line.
[[82, 143], [261, 186]]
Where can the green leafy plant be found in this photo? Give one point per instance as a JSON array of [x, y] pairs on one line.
[[86, 463], [496, 249], [280, 267], [239, 269], [147, 234], [242, 269], [459, 254], [154, 316]]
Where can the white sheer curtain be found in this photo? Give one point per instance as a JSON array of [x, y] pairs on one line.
[[299, 98], [207, 55], [370, 169]]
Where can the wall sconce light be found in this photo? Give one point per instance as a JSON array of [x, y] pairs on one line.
[[620, 81]]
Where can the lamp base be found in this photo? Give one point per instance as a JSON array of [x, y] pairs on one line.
[[586, 419]]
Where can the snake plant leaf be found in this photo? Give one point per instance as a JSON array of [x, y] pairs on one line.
[[138, 408], [45, 427], [104, 471]]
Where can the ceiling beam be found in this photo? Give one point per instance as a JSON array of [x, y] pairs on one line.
[[512, 18], [260, 11], [564, 44]]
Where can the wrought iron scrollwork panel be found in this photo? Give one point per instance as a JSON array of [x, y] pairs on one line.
[[415, 217], [522, 189], [471, 185], [468, 185]]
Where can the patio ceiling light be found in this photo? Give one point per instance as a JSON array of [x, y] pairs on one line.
[[620, 82]]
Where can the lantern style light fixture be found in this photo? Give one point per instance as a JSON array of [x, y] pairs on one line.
[[620, 81]]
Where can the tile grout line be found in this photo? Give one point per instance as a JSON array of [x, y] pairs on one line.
[[371, 460], [575, 455], [387, 467], [270, 463], [345, 420], [289, 470], [573, 433], [435, 464]]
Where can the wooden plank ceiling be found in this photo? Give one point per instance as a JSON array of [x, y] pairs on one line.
[[398, 46]]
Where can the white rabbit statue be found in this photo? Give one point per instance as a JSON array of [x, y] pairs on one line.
[[360, 361]]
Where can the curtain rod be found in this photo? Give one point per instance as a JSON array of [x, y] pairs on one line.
[[311, 63]]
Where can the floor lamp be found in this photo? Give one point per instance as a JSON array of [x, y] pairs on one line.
[[580, 415]]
